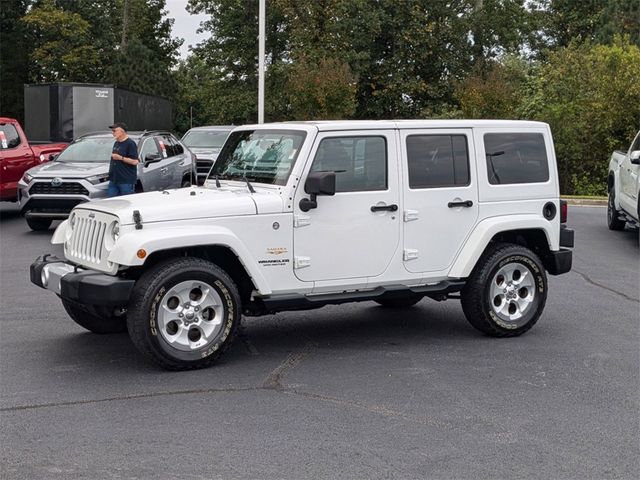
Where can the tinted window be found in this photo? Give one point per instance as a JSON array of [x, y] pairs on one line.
[[166, 148], [176, 148], [9, 137], [360, 163], [516, 158], [264, 156], [437, 161]]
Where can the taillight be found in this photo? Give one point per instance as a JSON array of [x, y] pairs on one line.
[[564, 208]]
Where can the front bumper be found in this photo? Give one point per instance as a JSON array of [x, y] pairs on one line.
[[86, 287]]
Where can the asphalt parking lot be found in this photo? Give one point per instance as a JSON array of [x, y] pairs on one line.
[[353, 391]]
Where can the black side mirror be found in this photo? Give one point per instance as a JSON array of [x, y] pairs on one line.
[[318, 183], [53, 156], [151, 158]]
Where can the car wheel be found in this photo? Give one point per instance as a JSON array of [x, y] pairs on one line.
[[184, 313], [101, 320], [506, 292], [613, 220], [401, 302], [185, 183], [39, 224]]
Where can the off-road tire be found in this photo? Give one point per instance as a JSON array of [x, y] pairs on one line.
[[476, 294], [39, 224], [143, 316], [400, 302], [613, 220], [100, 320]]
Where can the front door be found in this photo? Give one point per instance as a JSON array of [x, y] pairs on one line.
[[629, 179], [441, 201], [16, 157], [344, 237]]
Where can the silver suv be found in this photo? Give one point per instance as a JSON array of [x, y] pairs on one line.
[[205, 143], [81, 173]]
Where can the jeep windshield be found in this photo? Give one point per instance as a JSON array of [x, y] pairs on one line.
[[261, 156], [88, 149]]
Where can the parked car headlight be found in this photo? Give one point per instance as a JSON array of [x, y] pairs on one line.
[[26, 178], [96, 179]]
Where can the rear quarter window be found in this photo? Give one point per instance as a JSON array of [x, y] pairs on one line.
[[516, 158]]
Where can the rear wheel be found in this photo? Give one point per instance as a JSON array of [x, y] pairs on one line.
[[101, 320], [506, 292], [184, 313], [613, 215], [38, 224]]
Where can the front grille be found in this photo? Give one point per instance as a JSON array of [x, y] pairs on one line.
[[90, 240], [65, 188], [87, 240]]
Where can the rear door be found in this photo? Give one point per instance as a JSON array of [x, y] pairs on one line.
[[172, 157], [441, 198]]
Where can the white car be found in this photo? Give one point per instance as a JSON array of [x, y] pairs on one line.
[[300, 215], [205, 143], [623, 186]]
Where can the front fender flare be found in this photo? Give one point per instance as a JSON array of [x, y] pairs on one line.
[[488, 228], [157, 240]]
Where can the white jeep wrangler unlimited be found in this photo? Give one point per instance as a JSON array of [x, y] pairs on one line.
[[299, 215]]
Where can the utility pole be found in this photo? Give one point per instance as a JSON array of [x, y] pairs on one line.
[[125, 24], [261, 35]]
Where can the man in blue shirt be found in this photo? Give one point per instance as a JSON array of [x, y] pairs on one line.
[[123, 171]]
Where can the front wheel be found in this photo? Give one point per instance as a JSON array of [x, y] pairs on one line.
[[184, 313], [506, 292]]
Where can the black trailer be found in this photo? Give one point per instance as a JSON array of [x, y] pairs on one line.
[[60, 112]]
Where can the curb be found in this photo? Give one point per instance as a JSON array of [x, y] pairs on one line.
[[593, 202]]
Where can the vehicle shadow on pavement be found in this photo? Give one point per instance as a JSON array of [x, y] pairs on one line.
[[363, 327]]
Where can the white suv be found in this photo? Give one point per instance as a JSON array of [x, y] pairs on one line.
[[300, 215]]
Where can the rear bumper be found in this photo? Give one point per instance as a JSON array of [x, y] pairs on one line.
[[559, 262], [86, 287]]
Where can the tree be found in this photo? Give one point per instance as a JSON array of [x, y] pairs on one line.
[[14, 56], [590, 96], [62, 45]]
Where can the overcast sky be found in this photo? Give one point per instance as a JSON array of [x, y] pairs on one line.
[[185, 25]]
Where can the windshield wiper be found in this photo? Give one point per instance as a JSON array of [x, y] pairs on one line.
[[249, 186], [217, 181]]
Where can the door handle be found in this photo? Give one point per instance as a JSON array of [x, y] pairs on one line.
[[380, 208], [466, 204]]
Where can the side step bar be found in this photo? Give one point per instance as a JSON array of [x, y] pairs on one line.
[[295, 301]]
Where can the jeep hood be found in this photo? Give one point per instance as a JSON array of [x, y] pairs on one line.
[[188, 204], [69, 169]]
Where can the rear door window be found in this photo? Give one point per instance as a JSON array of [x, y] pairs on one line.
[[516, 158], [437, 161]]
